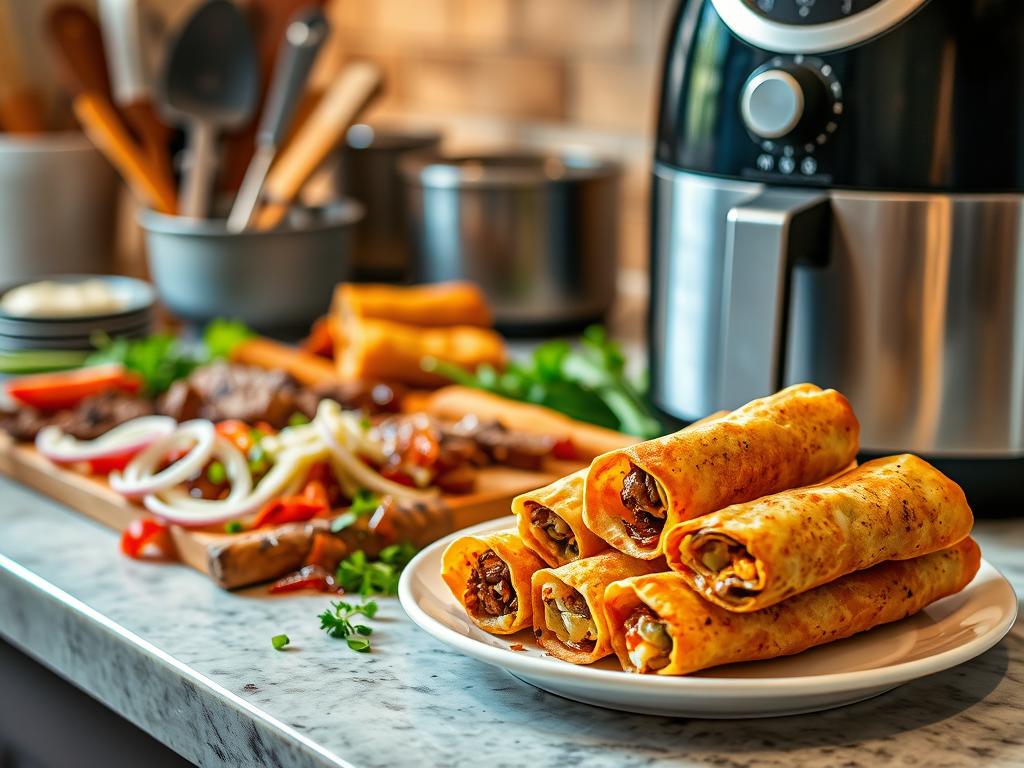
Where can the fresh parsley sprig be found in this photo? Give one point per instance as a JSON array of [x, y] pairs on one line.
[[364, 504], [358, 573], [337, 622]]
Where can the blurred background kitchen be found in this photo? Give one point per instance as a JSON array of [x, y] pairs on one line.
[[574, 78]]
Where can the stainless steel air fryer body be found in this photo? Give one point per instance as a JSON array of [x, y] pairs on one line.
[[837, 199]]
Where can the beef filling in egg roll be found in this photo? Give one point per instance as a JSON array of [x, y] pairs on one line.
[[750, 556], [659, 625], [568, 604], [798, 436], [550, 521], [490, 576]]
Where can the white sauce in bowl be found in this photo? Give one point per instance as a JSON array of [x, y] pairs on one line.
[[52, 299]]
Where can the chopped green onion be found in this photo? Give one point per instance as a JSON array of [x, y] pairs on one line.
[[279, 642], [216, 473], [233, 526], [298, 419]]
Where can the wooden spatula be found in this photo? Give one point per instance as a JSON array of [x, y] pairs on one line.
[[349, 95]]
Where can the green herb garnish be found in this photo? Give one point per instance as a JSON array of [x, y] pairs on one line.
[[233, 526], [587, 382], [364, 504], [357, 573], [279, 642], [216, 473], [337, 622], [162, 359], [297, 419]]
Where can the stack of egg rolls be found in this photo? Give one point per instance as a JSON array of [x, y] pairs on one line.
[[383, 332], [764, 545]]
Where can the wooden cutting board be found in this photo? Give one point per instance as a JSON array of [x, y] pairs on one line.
[[238, 560]]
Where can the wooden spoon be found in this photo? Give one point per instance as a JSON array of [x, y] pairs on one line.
[[21, 106], [78, 46]]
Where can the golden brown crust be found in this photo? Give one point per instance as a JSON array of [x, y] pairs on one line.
[[795, 437], [589, 577], [435, 305], [460, 558], [705, 635], [892, 508], [375, 349], [564, 497]]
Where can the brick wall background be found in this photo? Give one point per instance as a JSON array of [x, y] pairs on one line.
[[525, 73]]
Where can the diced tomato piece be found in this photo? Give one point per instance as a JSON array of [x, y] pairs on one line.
[[308, 577], [294, 509], [145, 537], [564, 449], [238, 432], [396, 475], [66, 389]]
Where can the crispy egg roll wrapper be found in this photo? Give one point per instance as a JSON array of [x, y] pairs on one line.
[[564, 498], [892, 508], [795, 437], [433, 305], [460, 558], [376, 349], [589, 578], [705, 635]]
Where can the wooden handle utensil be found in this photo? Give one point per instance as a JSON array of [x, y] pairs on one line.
[[354, 89], [105, 129]]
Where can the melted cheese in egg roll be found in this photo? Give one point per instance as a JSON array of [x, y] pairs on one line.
[[490, 576], [568, 604], [798, 436], [659, 625], [750, 556], [550, 521]]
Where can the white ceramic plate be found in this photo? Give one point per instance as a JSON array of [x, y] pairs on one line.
[[947, 633]]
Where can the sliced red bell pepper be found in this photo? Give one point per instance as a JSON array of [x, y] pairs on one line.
[[308, 577], [294, 509], [113, 461], [146, 538], [564, 449], [66, 389]]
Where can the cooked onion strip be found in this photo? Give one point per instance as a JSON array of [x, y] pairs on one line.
[[140, 478], [61, 448]]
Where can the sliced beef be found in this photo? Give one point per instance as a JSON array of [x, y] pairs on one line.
[[640, 496], [371, 397], [574, 602], [99, 414], [247, 393], [181, 402], [515, 449], [24, 423], [489, 590]]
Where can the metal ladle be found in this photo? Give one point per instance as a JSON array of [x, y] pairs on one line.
[[211, 83]]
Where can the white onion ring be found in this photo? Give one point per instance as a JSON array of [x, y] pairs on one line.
[[175, 506], [355, 468], [139, 479], [61, 448]]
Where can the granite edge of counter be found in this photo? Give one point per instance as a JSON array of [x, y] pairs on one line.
[[183, 709]]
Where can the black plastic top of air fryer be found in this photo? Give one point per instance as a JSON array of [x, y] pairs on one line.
[[932, 102]]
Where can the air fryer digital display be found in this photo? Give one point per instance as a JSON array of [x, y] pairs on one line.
[[808, 11]]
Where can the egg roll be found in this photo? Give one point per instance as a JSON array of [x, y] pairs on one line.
[[490, 576], [795, 437], [384, 350], [750, 556], [550, 521], [568, 604], [659, 625], [433, 305]]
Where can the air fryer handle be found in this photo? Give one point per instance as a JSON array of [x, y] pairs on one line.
[[765, 237]]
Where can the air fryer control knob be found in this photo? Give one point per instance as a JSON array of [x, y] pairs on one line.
[[786, 101]]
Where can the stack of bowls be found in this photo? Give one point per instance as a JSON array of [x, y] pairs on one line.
[[133, 319]]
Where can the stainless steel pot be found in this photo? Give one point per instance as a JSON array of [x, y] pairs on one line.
[[368, 172], [539, 233]]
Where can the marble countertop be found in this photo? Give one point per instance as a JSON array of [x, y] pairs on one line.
[[194, 666]]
